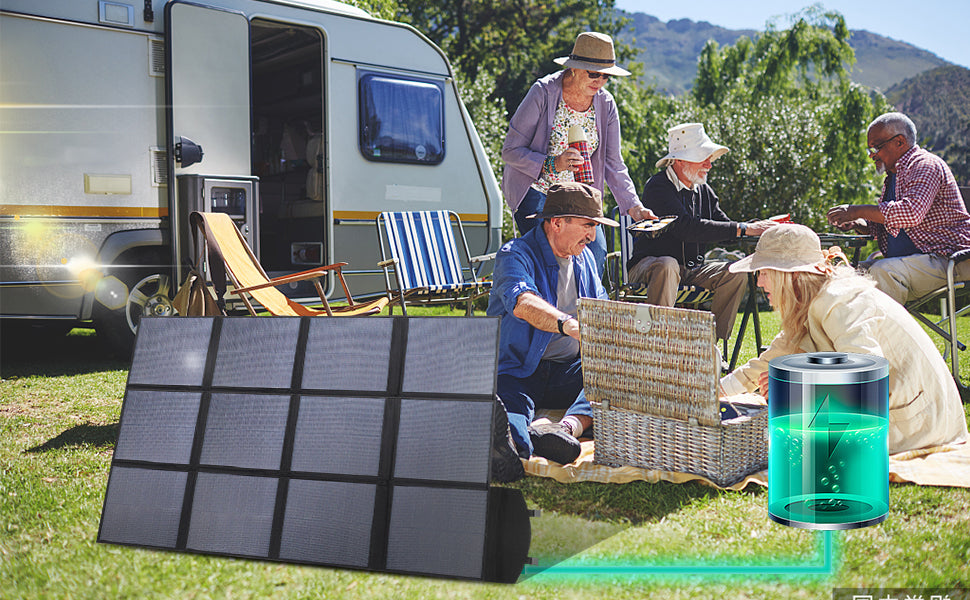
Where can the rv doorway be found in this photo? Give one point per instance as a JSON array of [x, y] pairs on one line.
[[288, 145]]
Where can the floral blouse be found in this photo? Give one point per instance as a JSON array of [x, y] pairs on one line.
[[558, 142]]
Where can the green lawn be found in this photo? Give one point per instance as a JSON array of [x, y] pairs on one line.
[[59, 407]]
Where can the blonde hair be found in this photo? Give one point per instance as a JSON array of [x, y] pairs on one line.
[[792, 294]]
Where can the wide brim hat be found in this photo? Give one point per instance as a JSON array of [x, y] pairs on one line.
[[689, 141], [784, 247], [593, 52], [574, 199]]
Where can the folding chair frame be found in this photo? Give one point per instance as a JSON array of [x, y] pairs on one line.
[[218, 272], [432, 286]]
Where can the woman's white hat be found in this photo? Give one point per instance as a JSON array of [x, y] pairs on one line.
[[689, 142], [593, 52], [784, 247]]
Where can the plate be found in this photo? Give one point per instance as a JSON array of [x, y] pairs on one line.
[[651, 227]]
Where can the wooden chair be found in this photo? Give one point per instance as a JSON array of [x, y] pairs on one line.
[[229, 254], [429, 267]]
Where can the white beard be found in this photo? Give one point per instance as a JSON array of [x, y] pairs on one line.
[[697, 178]]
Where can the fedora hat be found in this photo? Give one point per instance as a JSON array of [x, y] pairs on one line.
[[593, 52], [689, 142], [785, 247], [574, 199]]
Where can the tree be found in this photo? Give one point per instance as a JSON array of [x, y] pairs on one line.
[[794, 122], [382, 9], [513, 40]]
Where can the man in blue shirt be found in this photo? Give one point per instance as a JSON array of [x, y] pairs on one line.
[[537, 280]]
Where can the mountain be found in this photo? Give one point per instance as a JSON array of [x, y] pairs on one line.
[[938, 101], [669, 51]]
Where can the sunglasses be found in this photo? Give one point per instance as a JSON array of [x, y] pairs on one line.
[[595, 75]]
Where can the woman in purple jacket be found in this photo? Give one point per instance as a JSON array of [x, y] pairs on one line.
[[536, 150]]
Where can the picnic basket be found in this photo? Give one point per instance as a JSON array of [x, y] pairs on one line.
[[651, 377]]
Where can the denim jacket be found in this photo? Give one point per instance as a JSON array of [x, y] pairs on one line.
[[527, 264]]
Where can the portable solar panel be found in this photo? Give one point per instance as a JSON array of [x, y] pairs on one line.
[[358, 442]]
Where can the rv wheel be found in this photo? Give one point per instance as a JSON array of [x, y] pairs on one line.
[[148, 297]]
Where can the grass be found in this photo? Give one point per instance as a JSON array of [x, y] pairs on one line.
[[59, 407]]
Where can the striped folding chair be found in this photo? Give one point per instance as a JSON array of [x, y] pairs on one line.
[[429, 267]]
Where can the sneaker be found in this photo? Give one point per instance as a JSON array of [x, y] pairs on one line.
[[551, 442], [506, 466]]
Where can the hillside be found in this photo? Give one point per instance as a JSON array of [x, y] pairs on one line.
[[938, 101], [669, 50]]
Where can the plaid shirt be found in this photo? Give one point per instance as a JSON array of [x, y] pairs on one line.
[[928, 206]]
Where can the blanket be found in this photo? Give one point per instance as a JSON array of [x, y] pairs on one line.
[[937, 466]]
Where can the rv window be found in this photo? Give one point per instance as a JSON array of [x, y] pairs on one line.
[[401, 120]]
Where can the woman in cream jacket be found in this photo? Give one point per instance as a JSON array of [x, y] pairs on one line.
[[825, 308]]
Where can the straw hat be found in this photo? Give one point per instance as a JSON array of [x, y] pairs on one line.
[[785, 247], [593, 52], [574, 199], [689, 142]]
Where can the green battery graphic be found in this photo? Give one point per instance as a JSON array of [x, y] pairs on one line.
[[828, 459]]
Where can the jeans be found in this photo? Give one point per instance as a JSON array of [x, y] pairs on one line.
[[553, 385], [533, 202]]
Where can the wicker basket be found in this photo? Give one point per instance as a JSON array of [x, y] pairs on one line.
[[651, 376]]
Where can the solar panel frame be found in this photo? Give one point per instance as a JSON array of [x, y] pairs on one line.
[[257, 451]]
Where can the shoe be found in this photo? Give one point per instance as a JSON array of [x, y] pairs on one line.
[[551, 442], [506, 466]]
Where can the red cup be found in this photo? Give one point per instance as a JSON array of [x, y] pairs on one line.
[[577, 140]]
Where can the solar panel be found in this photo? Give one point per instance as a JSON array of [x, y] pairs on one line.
[[356, 442]]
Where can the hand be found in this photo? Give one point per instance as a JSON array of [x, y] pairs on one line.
[[639, 213], [842, 216], [571, 328], [759, 227], [763, 384], [570, 160]]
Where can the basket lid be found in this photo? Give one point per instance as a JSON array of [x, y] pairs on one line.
[[651, 359]]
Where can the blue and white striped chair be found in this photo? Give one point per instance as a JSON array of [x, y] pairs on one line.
[[429, 266]]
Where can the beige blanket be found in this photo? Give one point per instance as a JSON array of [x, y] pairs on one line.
[[940, 466]]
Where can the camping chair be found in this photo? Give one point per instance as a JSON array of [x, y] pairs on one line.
[[229, 254], [420, 248], [618, 274], [947, 296], [621, 289]]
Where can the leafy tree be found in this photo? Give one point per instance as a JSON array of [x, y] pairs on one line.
[[383, 9], [785, 106], [513, 40]]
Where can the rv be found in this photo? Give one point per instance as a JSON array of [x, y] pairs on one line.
[[303, 119]]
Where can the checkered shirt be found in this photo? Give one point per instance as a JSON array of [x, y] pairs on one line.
[[928, 206]]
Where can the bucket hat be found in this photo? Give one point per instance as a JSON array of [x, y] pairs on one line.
[[593, 52], [689, 141], [574, 199], [785, 247]]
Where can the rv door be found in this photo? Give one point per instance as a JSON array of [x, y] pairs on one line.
[[208, 105]]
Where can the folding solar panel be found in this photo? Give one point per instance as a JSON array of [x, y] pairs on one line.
[[360, 442]]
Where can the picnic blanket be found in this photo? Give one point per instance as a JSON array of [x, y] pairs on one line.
[[938, 466]]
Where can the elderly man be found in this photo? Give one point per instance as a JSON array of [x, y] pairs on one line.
[[920, 218], [680, 189], [537, 281]]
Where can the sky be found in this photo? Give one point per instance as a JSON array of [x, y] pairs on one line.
[[940, 26]]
